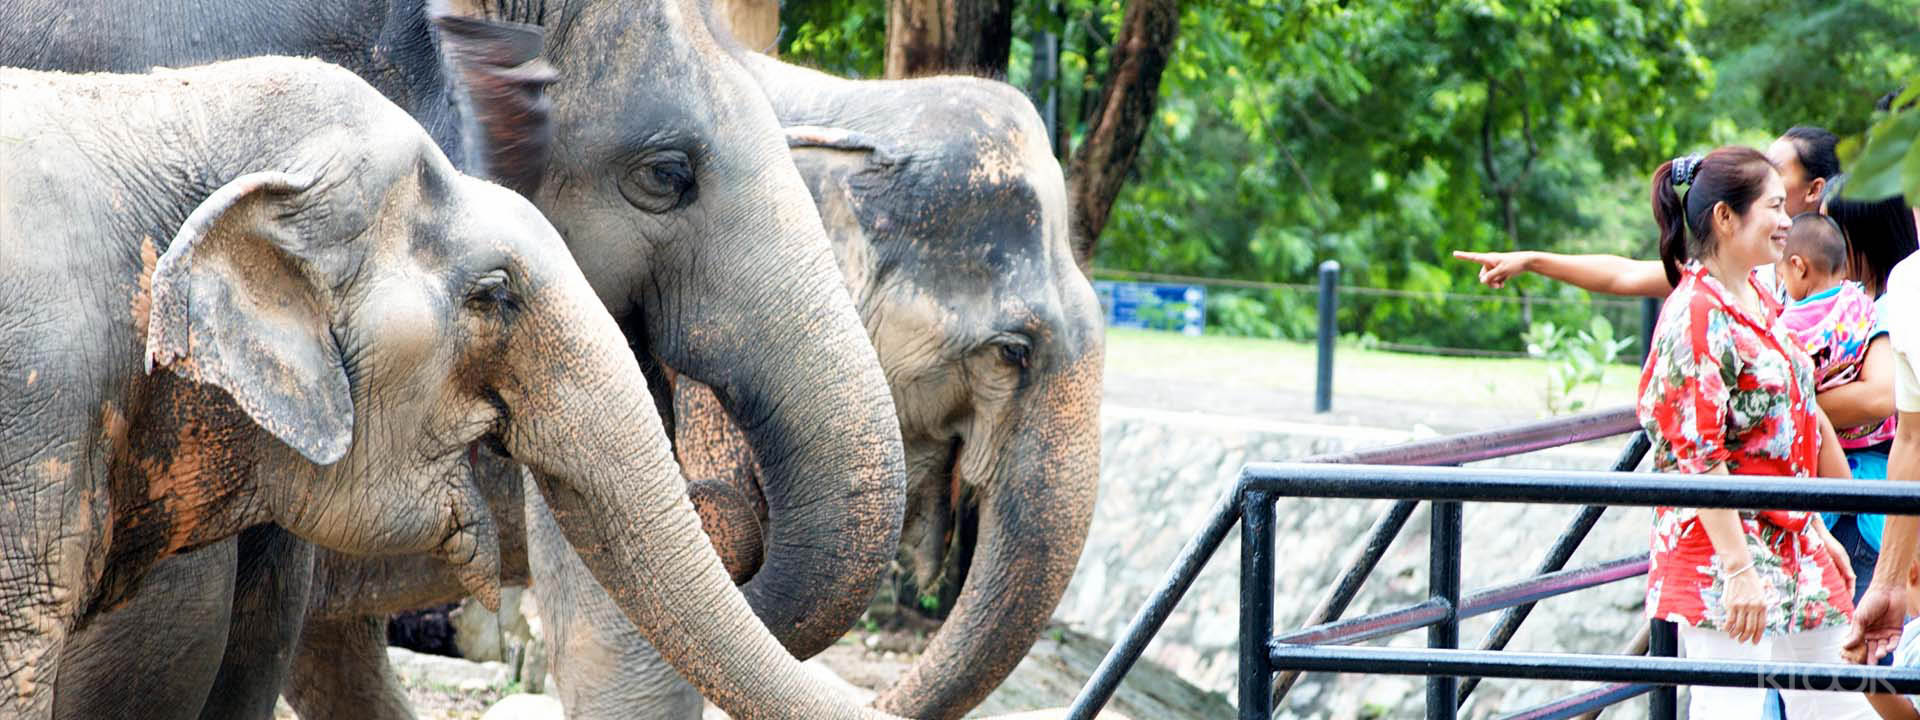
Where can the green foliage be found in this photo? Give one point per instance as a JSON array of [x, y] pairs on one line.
[[1386, 135], [843, 37], [1364, 132], [1889, 162], [1576, 359], [1808, 62]]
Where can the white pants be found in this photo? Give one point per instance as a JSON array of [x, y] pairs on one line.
[[1822, 646]]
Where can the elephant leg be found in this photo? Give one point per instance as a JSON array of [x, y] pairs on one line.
[[341, 671], [602, 668], [157, 655], [275, 571]]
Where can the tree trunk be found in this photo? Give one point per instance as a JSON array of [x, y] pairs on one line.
[[754, 23], [933, 37], [1119, 122]]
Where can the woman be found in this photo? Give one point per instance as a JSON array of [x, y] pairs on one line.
[[1725, 392], [1880, 234]]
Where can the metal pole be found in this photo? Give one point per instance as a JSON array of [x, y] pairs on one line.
[[1443, 556], [1193, 558], [1323, 379], [1649, 317], [1256, 604], [1385, 529], [1557, 557], [1663, 641]]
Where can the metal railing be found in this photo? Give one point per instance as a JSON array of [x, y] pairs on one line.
[[1396, 473]]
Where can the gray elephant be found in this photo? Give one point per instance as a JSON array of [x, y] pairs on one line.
[[948, 215], [660, 163], [256, 292]]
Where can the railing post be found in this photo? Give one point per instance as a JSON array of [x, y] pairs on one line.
[[1323, 378], [1256, 604], [1649, 317], [1663, 641], [1443, 556]]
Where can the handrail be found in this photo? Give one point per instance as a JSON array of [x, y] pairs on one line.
[[1577, 428], [1580, 487], [1499, 597], [1456, 449], [1262, 653]]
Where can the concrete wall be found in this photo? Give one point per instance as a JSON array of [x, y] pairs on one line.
[[1161, 474]]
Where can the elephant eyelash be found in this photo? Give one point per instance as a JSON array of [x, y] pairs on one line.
[[490, 291]]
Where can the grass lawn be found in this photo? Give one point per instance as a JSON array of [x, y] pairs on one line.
[[1230, 362]]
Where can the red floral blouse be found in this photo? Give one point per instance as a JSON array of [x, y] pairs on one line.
[[1723, 387]]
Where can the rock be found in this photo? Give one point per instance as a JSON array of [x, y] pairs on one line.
[[445, 672], [476, 630], [524, 706]]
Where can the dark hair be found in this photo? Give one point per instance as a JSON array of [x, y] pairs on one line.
[[1818, 239], [1885, 103], [1732, 175], [1880, 233], [1814, 148]]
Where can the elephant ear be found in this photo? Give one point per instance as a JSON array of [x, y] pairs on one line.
[[239, 302], [802, 140], [843, 167], [502, 81]]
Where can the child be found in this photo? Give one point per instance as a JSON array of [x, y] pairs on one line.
[[1906, 655], [1832, 319], [1830, 316]]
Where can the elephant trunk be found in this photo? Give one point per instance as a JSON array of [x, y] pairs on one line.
[[776, 337], [1033, 523], [583, 422]]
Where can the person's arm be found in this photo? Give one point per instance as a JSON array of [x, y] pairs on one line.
[[1608, 274], [1832, 461], [1745, 596], [1869, 398], [1892, 707], [1878, 617]]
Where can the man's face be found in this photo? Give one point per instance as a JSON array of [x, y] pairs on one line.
[[1802, 196]]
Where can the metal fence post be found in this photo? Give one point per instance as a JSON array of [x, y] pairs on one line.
[[1649, 317], [1443, 556], [1323, 378], [1663, 641], [1256, 604]]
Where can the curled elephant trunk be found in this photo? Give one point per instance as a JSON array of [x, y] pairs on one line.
[[1030, 535], [585, 426], [791, 365]]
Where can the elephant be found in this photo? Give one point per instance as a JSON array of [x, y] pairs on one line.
[[948, 215], [257, 292], [660, 163]]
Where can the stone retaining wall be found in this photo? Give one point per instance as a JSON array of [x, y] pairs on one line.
[[1161, 474]]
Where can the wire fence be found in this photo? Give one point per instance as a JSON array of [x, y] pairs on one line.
[[1427, 322]]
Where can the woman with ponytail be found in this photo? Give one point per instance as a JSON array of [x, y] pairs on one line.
[[1726, 391]]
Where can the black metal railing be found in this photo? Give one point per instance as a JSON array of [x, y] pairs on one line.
[[1393, 473]]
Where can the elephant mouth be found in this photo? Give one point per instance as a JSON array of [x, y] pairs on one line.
[[941, 562]]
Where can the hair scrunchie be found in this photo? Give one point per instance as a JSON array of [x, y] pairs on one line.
[[1685, 167]]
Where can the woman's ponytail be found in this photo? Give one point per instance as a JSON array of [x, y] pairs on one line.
[[1669, 213]]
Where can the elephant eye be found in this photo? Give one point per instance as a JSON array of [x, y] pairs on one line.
[[489, 292], [1016, 354], [660, 182]]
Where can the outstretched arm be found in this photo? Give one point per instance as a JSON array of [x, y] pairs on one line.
[[1607, 274]]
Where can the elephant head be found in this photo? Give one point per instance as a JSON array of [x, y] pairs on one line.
[[660, 162], [382, 318], [948, 215]]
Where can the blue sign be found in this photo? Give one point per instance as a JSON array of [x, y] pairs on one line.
[[1153, 306]]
